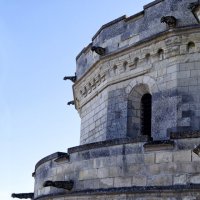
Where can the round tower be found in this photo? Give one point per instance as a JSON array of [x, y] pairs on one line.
[[137, 91]]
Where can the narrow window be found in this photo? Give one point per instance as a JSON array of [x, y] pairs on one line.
[[146, 104], [160, 54], [191, 47]]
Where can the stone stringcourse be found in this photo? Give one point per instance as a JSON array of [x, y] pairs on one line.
[[137, 91], [129, 190]]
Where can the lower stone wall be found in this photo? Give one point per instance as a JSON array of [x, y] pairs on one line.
[[122, 164], [190, 192]]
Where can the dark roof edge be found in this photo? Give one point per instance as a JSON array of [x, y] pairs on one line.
[[83, 50], [107, 143], [120, 19], [152, 37], [48, 158], [152, 4], [108, 24]]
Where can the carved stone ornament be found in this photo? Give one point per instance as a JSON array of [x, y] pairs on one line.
[[71, 78], [23, 195], [99, 50], [70, 103], [68, 185], [169, 20]]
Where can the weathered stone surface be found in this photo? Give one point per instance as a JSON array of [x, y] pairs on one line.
[[124, 155]]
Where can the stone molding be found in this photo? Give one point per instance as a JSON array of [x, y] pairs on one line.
[[128, 190], [53, 156], [102, 74], [153, 87]]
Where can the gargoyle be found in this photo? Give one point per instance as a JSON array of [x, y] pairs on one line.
[[23, 195], [99, 50], [169, 20], [71, 78], [70, 103], [68, 185]]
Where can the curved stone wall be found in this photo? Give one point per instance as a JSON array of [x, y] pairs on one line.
[[123, 166]]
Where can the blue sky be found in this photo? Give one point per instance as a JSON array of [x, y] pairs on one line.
[[39, 41]]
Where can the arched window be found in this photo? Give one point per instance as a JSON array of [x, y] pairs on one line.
[[147, 58], [145, 117], [160, 54], [191, 47]]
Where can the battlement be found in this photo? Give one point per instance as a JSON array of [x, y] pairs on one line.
[[125, 31]]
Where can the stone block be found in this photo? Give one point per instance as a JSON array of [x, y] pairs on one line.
[[122, 182], [159, 180], [139, 180], [187, 167], [163, 157], [106, 182], [135, 158], [182, 156], [162, 168], [183, 74], [103, 173], [195, 157], [195, 179], [149, 158], [87, 174], [91, 184], [180, 179]]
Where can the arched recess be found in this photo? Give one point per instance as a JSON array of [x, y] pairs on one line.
[[136, 111], [139, 112]]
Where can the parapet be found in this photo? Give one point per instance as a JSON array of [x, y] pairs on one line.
[[124, 32]]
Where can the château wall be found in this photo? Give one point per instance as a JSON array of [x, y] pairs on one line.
[[125, 31], [130, 168], [169, 65], [147, 68]]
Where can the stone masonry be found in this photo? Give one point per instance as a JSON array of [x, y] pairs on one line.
[[137, 91]]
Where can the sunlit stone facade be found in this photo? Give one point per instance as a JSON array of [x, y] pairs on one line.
[[137, 92]]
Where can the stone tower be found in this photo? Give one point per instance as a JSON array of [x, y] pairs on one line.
[[137, 90]]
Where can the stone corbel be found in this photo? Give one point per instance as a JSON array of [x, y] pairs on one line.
[[68, 185], [171, 21], [23, 195]]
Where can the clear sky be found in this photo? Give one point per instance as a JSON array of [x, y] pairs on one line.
[[39, 41]]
